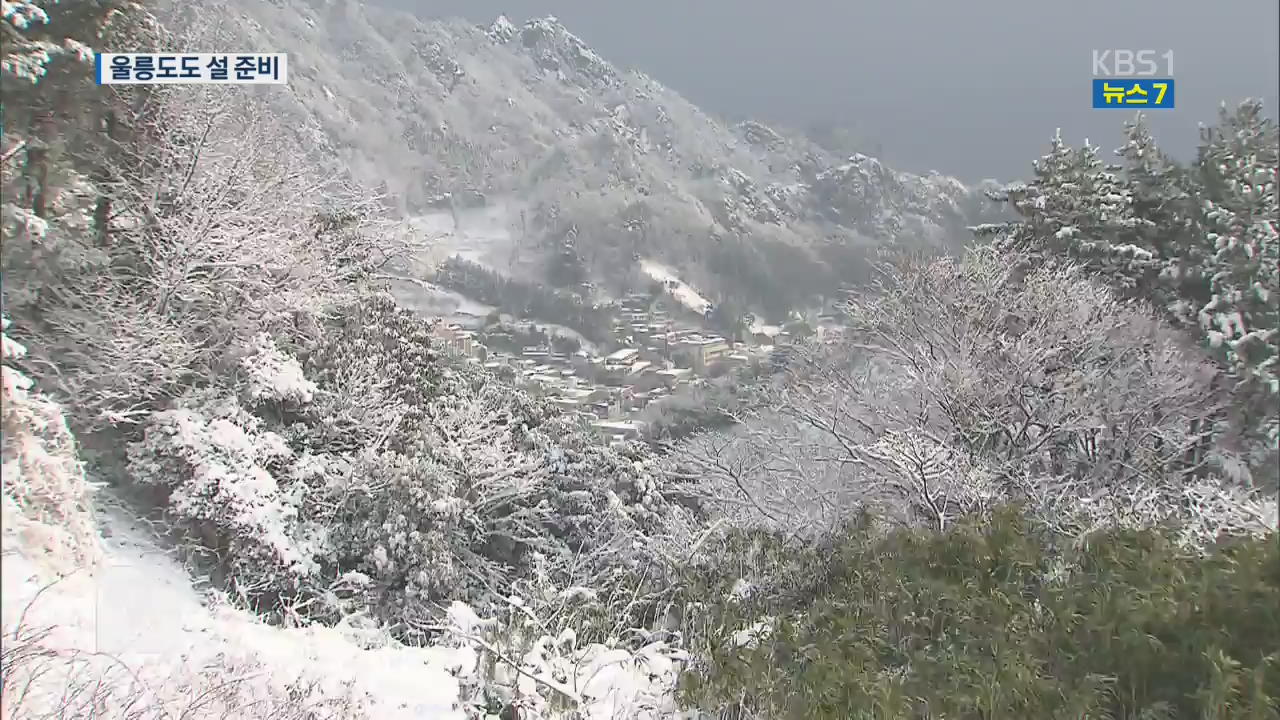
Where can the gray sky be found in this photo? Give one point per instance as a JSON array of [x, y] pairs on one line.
[[973, 89]]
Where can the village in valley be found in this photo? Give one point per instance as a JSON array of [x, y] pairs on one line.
[[658, 351], [644, 352]]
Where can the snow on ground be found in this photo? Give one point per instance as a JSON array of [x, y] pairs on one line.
[[140, 611], [556, 330], [482, 236], [680, 290], [760, 328], [487, 236], [139, 622], [440, 240], [432, 300]]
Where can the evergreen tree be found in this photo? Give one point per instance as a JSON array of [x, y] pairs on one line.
[[1082, 209], [567, 269], [1199, 242], [1238, 164], [1164, 199]]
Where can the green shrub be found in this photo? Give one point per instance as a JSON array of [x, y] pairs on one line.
[[991, 621]]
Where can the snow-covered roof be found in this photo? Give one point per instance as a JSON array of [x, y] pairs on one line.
[[623, 355]]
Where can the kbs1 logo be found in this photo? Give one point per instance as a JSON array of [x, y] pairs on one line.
[[192, 68], [1132, 79]]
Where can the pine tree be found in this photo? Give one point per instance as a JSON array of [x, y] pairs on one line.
[[1169, 223], [1079, 208], [1199, 242], [1238, 162]]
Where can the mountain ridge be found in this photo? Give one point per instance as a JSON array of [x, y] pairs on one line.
[[429, 109]]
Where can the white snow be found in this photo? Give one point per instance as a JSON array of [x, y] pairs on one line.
[[274, 375], [432, 300], [502, 29], [140, 617], [23, 14], [680, 290], [123, 627], [35, 225], [139, 610], [465, 620], [752, 636], [578, 593], [741, 589], [487, 236], [617, 684]]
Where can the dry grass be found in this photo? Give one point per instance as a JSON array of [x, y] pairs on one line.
[[39, 681]]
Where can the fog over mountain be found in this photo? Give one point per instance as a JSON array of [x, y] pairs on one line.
[[613, 167], [969, 89]]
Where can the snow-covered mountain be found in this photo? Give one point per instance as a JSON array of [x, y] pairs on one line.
[[424, 108]]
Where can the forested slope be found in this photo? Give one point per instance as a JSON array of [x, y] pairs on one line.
[[1033, 482]]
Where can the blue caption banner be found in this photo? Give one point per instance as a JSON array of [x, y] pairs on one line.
[[191, 68], [1133, 93]]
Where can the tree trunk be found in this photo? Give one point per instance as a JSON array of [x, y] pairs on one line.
[[35, 178]]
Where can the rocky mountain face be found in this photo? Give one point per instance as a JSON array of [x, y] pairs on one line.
[[608, 157]]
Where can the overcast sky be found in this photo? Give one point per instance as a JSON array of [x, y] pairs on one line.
[[973, 89]]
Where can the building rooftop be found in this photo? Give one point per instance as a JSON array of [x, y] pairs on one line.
[[622, 355], [620, 425]]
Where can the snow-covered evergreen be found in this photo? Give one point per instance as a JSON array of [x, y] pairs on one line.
[[1199, 242]]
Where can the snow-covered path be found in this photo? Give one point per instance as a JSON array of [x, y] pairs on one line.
[[138, 625], [140, 611]]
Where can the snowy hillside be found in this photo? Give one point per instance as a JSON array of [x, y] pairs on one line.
[[680, 290], [142, 634], [140, 609], [531, 111], [101, 620]]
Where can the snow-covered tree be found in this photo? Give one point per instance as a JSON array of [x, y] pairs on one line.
[[35, 33], [969, 383], [1165, 202], [1079, 208], [45, 492], [1239, 160], [216, 472], [206, 224], [1199, 242], [358, 470]]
